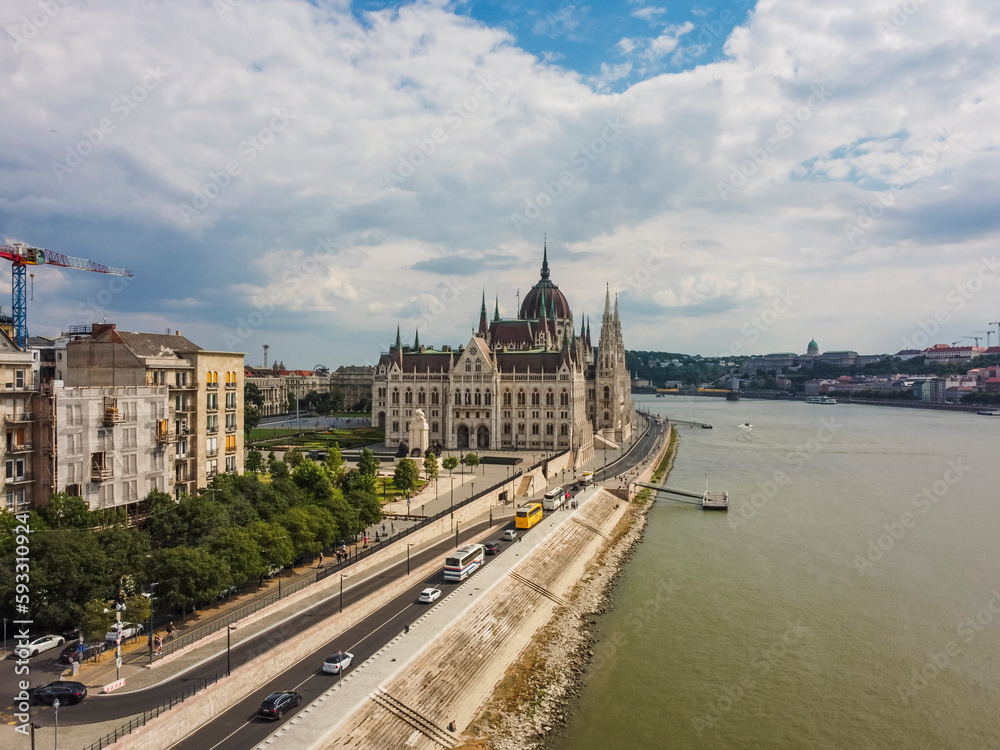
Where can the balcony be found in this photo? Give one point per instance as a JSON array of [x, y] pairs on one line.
[[101, 474], [24, 416], [230, 386], [212, 452], [20, 448], [230, 449], [211, 473], [230, 428], [163, 437], [212, 429], [212, 407], [213, 386], [20, 478]]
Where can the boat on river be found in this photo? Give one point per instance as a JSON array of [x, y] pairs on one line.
[[820, 400]]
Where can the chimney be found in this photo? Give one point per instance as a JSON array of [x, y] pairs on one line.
[[177, 333]]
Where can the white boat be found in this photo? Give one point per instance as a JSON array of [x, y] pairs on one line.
[[820, 400]]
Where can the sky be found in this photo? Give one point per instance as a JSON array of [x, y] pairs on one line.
[[744, 176]]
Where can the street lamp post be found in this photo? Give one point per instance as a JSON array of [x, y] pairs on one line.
[[55, 705], [342, 577], [456, 534], [453, 492], [229, 643], [408, 558]]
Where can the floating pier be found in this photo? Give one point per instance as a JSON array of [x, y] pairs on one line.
[[707, 500]]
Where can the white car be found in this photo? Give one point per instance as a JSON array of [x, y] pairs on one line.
[[429, 595], [336, 663], [41, 643], [128, 630]]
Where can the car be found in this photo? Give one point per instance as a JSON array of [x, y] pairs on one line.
[[127, 630], [338, 662], [575, 488], [90, 650], [275, 705], [510, 535], [429, 595], [68, 693], [228, 592], [492, 547], [40, 644]]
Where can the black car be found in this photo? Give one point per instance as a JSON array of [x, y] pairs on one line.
[[492, 547], [90, 650], [67, 693], [275, 705]]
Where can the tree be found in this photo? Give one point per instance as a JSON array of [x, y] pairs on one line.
[[450, 463], [251, 418], [255, 461], [126, 551], [96, 619], [66, 512], [189, 576], [279, 470], [406, 476], [193, 518], [137, 609], [310, 527], [239, 551], [273, 544], [291, 402], [368, 507], [471, 460], [431, 467], [335, 462], [293, 458], [368, 463], [67, 570], [253, 396], [312, 478]]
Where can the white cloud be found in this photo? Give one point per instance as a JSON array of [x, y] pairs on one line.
[[486, 131]]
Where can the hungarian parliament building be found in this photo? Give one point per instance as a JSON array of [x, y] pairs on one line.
[[528, 383]]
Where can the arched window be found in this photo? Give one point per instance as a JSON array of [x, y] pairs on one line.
[[506, 428], [395, 426], [434, 397], [550, 429], [607, 392], [550, 399], [479, 398], [520, 428], [507, 400], [421, 397], [468, 397], [395, 397], [606, 416], [534, 429], [564, 429], [408, 397], [536, 398], [458, 398], [488, 399], [521, 398], [564, 399]]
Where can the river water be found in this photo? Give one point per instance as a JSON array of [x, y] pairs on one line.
[[850, 598]]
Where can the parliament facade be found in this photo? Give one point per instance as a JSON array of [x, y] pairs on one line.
[[527, 383]]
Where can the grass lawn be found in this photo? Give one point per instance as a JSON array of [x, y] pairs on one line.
[[346, 438], [384, 485]]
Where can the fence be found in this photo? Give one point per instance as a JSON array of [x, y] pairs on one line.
[[198, 684]]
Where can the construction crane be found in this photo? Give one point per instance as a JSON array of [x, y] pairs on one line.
[[987, 334], [21, 256], [974, 338], [997, 324]]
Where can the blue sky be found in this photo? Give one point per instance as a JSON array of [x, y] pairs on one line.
[[309, 175]]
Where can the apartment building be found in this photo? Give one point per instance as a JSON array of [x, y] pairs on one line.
[[185, 404], [19, 450]]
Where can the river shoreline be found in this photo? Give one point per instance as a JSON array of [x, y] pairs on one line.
[[531, 704]]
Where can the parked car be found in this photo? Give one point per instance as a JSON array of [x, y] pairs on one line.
[[68, 693], [510, 535], [275, 705], [492, 547], [90, 650], [228, 592], [127, 629], [40, 644], [429, 595], [338, 662]]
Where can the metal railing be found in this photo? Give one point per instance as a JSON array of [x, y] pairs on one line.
[[140, 720]]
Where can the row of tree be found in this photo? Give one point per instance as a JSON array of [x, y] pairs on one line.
[[185, 552]]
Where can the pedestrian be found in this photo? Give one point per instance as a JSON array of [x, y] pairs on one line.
[[157, 645], [383, 529], [170, 630], [377, 537], [320, 563], [451, 725]]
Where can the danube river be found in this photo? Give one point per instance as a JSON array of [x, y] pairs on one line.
[[850, 598]]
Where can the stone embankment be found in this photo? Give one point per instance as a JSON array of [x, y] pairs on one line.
[[531, 703]]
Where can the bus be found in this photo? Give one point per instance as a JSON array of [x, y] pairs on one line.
[[554, 498], [464, 562], [528, 515]]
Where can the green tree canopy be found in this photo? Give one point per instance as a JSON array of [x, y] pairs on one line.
[[450, 463], [189, 576], [335, 462], [293, 458], [368, 464], [240, 551], [95, 619], [431, 470], [406, 476], [471, 460], [66, 512], [369, 509], [314, 479], [255, 461], [273, 543], [310, 527]]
